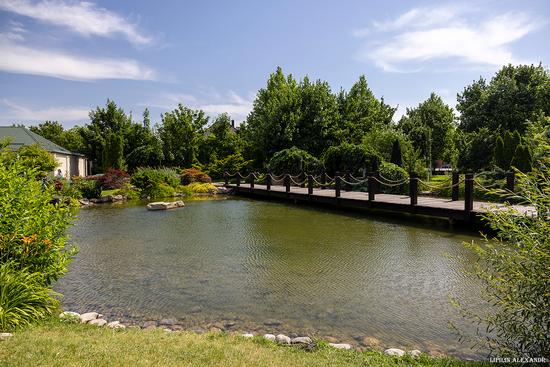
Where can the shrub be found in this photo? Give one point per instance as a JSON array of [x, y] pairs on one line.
[[32, 231], [202, 188], [230, 164], [390, 173], [190, 175], [89, 188], [114, 179], [149, 181], [128, 192], [23, 297], [513, 268], [352, 158], [32, 156], [294, 161]]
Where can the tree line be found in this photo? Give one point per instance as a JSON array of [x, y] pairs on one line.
[[499, 124]]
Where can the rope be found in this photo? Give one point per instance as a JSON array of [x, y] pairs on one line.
[[354, 183], [389, 185], [297, 183], [391, 181]]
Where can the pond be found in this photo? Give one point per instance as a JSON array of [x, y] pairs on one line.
[[272, 267]]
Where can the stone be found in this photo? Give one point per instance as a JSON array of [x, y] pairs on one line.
[[198, 330], [84, 202], [247, 335], [165, 205], [340, 345], [177, 327], [272, 323], [5, 336], [371, 342], [215, 330], [270, 337], [282, 339], [168, 322], [195, 309], [89, 316], [149, 324], [229, 324], [118, 198], [395, 352], [69, 315], [301, 340], [415, 353], [116, 325], [98, 322], [293, 335], [331, 339]]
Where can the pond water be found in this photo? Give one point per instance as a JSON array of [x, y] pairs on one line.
[[272, 267]]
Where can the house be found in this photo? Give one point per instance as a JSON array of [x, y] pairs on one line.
[[71, 164]]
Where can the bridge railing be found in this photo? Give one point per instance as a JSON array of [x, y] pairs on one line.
[[373, 181]]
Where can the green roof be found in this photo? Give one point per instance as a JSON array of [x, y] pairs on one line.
[[22, 136]]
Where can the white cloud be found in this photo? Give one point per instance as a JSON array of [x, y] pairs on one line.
[[213, 104], [16, 112], [24, 60], [82, 17], [426, 34]]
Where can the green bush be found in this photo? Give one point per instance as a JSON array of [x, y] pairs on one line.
[[23, 297], [352, 158], [202, 188], [128, 192], [32, 230], [513, 268], [294, 161], [390, 173], [90, 189], [230, 164], [156, 182]]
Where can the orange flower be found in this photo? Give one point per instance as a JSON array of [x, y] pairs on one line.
[[47, 242], [27, 240]]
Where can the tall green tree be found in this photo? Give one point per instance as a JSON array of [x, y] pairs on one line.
[[360, 110], [430, 127], [143, 147], [514, 96], [181, 132], [396, 155]]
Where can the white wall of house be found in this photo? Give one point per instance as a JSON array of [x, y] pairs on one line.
[[70, 165]]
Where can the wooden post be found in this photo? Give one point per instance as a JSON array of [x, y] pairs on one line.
[[252, 180], [371, 186], [338, 182], [309, 184], [323, 180], [268, 181], [510, 181], [455, 188], [413, 188], [287, 182], [469, 192], [302, 178], [238, 176], [348, 179], [226, 177]]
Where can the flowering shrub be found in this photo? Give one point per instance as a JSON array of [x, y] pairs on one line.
[[113, 179], [190, 175]]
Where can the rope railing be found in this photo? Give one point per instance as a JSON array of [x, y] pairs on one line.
[[373, 181]]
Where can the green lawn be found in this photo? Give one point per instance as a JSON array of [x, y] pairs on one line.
[[56, 344]]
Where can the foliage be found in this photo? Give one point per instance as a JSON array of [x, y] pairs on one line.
[[396, 155], [348, 157], [190, 175], [181, 131], [143, 148], [381, 139], [32, 231], [430, 127], [230, 164], [514, 96], [391, 172], [513, 268], [294, 161], [476, 151], [34, 157], [522, 160], [127, 192], [70, 139], [23, 297], [113, 179], [89, 188], [202, 188], [156, 183], [220, 140]]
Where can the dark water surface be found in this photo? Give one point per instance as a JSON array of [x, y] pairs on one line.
[[313, 271]]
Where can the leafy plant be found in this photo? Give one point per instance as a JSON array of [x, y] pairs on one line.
[[190, 175], [352, 158], [89, 188], [202, 188], [513, 268], [156, 182], [294, 161], [231, 164], [390, 173], [32, 230], [23, 297], [113, 179]]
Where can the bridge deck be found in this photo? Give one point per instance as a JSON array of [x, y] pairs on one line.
[[426, 205]]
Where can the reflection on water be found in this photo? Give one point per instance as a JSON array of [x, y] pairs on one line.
[[316, 271]]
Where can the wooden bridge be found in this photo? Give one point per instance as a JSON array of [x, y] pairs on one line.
[[338, 191]]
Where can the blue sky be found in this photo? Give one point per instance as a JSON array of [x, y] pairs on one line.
[[61, 58]]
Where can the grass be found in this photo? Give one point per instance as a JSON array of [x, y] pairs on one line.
[[57, 344]]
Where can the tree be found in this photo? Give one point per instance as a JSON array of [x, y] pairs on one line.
[[360, 111], [53, 131], [294, 161], [220, 140], [475, 150], [430, 126], [32, 157], [381, 139], [349, 157], [143, 147], [181, 131], [514, 96], [523, 159], [396, 155]]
